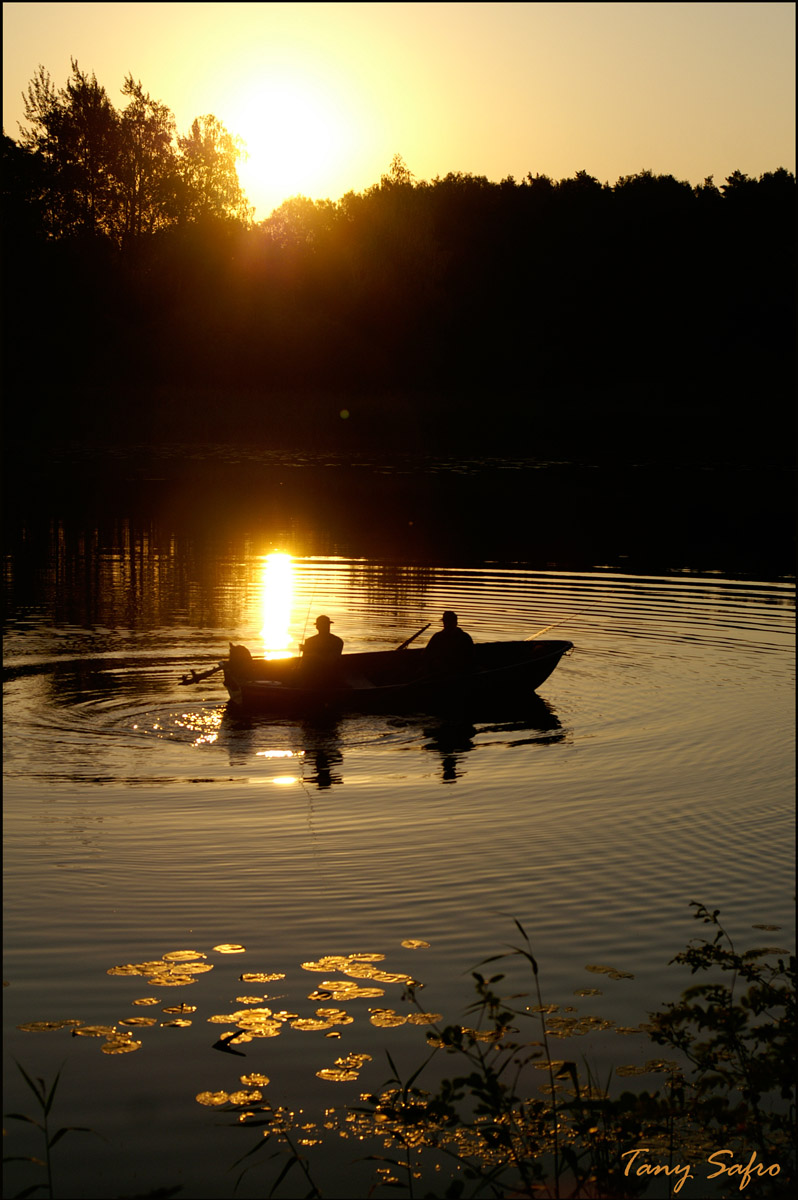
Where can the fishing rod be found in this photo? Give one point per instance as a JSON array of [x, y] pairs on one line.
[[307, 615], [546, 628]]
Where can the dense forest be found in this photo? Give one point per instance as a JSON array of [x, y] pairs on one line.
[[144, 303]]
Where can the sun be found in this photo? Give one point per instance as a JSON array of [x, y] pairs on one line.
[[296, 137]]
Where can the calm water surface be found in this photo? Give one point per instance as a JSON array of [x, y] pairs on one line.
[[141, 817]]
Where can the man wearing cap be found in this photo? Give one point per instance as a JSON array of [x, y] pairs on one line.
[[451, 649], [324, 645]]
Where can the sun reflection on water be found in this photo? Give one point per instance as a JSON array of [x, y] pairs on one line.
[[277, 600]]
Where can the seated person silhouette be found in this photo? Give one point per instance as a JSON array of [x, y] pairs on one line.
[[321, 654], [450, 650]]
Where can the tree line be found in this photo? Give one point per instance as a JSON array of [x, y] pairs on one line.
[[81, 168], [144, 301]]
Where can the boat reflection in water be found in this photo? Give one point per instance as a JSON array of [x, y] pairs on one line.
[[314, 750], [533, 723]]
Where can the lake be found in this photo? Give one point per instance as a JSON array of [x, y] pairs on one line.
[[143, 817]]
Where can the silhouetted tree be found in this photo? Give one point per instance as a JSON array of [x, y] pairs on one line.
[[207, 158], [75, 132], [148, 170], [124, 175]]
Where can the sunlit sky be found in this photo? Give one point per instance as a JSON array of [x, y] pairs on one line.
[[324, 95]]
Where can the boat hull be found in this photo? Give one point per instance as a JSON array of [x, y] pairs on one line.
[[389, 681]]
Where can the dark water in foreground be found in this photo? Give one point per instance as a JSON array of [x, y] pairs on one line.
[[142, 817]]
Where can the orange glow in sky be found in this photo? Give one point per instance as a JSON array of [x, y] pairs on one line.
[[324, 95]]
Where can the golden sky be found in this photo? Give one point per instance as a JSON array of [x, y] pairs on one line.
[[325, 94]]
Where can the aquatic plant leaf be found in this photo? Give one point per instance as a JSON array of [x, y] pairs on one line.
[[767, 928], [250, 999], [167, 980], [182, 955], [212, 1099], [337, 1074], [255, 1079], [354, 1060], [336, 1016], [588, 992], [145, 1000], [229, 948], [257, 1022], [138, 1021], [95, 1031], [558, 1026], [420, 1018], [254, 1014], [48, 1026], [344, 989], [310, 1024], [120, 1046], [260, 977], [483, 1035], [262, 1029], [242, 1097], [178, 1023], [391, 977], [611, 972], [386, 1018], [179, 1008], [233, 1037], [415, 944]]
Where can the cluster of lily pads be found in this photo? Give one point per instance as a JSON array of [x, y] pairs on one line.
[[562, 1125]]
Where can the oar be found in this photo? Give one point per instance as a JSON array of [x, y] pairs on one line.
[[546, 628], [193, 677], [414, 636]]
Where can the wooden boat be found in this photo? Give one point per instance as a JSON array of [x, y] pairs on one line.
[[387, 680]]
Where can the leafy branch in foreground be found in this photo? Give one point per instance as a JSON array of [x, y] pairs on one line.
[[44, 1097], [742, 1048]]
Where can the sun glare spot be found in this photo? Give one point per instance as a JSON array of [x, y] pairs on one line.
[[284, 780], [277, 602], [295, 133]]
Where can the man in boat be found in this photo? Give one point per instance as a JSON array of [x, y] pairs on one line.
[[321, 655], [451, 649], [324, 645]]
